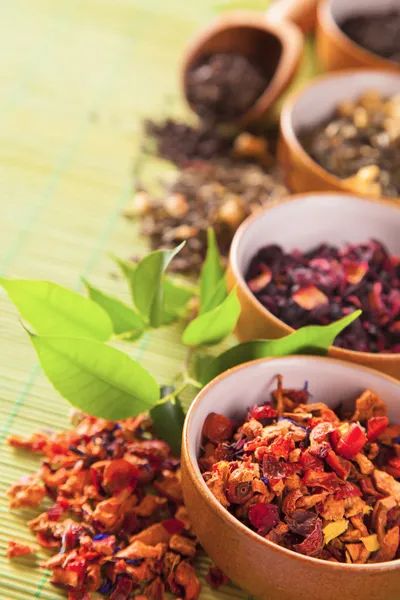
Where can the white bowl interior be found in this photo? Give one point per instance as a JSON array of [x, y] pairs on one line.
[[318, 102], [329, 381], [307, 221], [342, 9]]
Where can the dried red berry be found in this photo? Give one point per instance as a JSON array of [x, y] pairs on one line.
[[217, 428], [120, 474], [262, 412], [263, 517]]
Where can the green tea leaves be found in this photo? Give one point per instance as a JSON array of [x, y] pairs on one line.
[[55, 310], [212, 327], [168, 418], [95, 378], [123, 318], [147, 286], [313, 339], [211, 273]]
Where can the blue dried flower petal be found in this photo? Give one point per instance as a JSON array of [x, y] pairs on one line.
[[100, 536]]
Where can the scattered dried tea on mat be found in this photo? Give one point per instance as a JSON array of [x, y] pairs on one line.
[[222, 87], [182, 143], [326, 283], [361, 144], [321, 484], [376, 32], [222, 181], [117, 524], [220, 194]]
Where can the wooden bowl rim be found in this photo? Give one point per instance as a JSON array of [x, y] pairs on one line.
[[340, 353], [229, 519]]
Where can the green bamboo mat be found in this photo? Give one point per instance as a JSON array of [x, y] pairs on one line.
[[76, 79]]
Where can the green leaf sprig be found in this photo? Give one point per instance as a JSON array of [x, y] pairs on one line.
[[72, 336]]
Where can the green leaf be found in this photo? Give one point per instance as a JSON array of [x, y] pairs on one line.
[[95, 378], [219, 295], [313, 339], [55, 310], [212, 327], [148, 292], [211, 272], [168, 418], [176, 298], [123, 318]]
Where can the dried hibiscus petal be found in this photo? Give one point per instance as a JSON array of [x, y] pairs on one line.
[[215, 577], [347, 490], [314, 542], [263, 517], [174, 526], [328, 481], [302, 522], [122, 589]]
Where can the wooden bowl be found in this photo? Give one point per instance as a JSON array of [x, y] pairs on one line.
[[264, 569], [304, 221], [276, 46], [334, 48], [311, 106]]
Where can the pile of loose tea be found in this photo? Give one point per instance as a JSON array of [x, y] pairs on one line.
[[182, 143], [220, 194], [224, 86], [222, 181], [327, 283], [378, 32], [360, 143]]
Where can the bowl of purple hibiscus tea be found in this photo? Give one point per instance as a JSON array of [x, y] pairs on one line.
[[311, 259], [341, 132], [290, 476]]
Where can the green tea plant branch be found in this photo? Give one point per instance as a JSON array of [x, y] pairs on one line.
[[71, 335]]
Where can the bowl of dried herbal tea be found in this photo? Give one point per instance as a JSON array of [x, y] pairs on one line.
[[357, 34], [341, 132], [293, 484], [310, 259]]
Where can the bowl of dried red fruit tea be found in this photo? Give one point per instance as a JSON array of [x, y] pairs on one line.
[[313, 258], [290, 473], [341, 132]]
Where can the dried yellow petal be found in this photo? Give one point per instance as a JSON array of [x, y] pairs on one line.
[[371, 542], [367, 509], [334, 529]]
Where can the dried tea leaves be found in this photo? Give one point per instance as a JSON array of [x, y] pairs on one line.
[[361, 144], [377, 32]]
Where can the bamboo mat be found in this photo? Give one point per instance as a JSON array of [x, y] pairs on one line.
[[76, 79]]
